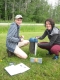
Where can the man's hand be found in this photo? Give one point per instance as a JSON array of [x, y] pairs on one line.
[[22, 38]]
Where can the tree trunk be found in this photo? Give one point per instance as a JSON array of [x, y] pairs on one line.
[[5, 9], [13, 10]]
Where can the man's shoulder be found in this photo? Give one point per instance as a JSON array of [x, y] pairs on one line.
[[13, 26], [13, 23]]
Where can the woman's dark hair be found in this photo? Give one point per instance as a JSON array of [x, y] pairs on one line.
[[51, 22]]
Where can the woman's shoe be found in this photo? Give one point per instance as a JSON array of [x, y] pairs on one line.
[[49, 53], [56, 57]]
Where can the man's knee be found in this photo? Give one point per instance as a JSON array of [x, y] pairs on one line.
[[23, 56], [27, 42]]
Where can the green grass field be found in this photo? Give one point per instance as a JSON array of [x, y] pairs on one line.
[[48, 70]]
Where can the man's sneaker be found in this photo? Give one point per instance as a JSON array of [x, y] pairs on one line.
[[56, 57], [9, 53]]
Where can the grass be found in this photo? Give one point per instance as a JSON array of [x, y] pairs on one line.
[[3, 29], [48, 70]]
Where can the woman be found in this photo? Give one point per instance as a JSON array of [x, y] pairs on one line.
[[53, 33]]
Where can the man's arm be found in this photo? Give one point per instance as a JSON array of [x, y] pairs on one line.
[[11, 34]]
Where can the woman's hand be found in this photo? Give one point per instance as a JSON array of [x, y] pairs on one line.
[[37, 37]]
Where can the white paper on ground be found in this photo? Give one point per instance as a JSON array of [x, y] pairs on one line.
[[16, 69]]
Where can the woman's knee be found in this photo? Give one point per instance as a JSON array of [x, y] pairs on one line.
[[54, 50], [38, 44]]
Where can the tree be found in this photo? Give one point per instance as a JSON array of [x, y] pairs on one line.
[[2, 9], [31, 9], [56, 12], [5, 9], [41, 12]]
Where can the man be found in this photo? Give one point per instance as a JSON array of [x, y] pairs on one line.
[[14, 41]]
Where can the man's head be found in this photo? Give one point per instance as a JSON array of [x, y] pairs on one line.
[[18, 19]]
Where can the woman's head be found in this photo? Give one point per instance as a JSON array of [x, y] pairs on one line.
[[49, 24]]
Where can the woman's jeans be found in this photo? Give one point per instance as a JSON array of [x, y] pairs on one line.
[[55, 49]]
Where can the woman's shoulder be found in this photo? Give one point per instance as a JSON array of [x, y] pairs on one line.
[[55, 31]]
